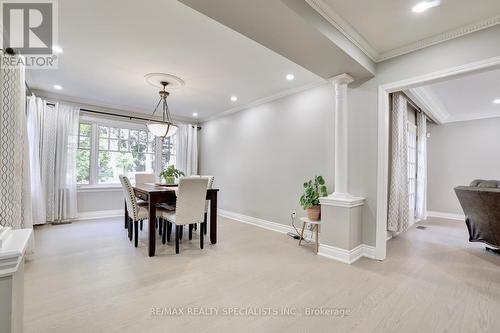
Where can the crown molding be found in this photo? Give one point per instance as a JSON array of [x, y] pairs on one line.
[[264, 101], [344, 27], [428, 101], [477, 116], [350, 33], [440, 38]]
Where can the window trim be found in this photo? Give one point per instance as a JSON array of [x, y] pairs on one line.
[[95, 122]]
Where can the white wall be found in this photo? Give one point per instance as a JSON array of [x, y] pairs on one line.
[[97, 200], [457, 154], [260, 157]]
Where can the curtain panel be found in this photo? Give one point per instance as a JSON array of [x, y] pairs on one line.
[[399, 205], [187, 149], [421, 193], [53, 148], [15, 189]]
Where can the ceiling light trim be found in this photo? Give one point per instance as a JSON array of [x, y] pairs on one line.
[[350, 33]]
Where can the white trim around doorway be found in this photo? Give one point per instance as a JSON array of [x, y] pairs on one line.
[[383, 135]]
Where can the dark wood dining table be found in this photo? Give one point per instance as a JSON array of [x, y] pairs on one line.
[[155, 194]]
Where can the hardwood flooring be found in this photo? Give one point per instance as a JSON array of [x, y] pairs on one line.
[[88, 277]]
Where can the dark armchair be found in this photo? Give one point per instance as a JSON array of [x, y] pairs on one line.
[[481, 204]]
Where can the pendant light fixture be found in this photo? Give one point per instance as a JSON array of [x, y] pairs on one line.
[[165, 127]]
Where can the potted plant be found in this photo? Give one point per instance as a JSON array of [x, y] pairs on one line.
[[170, 174], [313, 190]]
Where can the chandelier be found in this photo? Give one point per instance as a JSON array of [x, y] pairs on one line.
[[165, 127]]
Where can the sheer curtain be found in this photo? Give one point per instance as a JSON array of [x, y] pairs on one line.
[[399, 205], [421, 202], [187, 149], [35, 115], [53, 142]]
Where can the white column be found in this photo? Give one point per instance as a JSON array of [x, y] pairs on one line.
[[341, 133], [341, 212]]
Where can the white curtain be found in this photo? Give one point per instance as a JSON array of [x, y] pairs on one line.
[[58, 149], [187, 149], [421, 193], [15, 189], [399, 212], [35, 115]]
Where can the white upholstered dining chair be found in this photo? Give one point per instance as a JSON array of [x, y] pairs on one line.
[[143, 178], [207, 202], [136, 213], [190, 208]]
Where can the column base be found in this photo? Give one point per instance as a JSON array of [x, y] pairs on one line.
[[341, 227], [342, 200]]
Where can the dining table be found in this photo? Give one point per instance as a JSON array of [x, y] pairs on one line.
[[161, 194]]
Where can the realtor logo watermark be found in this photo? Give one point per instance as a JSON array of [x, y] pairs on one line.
[[29, 28]]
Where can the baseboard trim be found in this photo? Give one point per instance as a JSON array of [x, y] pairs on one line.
[[449, 216], [82, 216], [342, 255], [256, 221], [347, 256]]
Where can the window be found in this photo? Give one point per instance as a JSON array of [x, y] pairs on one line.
[[83, 154], [412, 169], [109, 149]]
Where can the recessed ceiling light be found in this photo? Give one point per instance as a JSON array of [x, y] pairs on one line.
[[195, 114], [496, 101], [423, 6], [57, 87], [57, 49], [234, 98], [290, 77]]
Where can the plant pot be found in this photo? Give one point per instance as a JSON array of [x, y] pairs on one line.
[[170, 180], [314, 213]]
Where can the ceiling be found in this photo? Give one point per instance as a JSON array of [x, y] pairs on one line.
[[388, 28], [110, 45], [465, 98]]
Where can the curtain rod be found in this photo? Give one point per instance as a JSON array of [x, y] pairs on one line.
[[417, 108], [102, 112]]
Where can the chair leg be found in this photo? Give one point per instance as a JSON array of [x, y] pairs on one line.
[[195, 227], [130, 229], [141, 225], [205, 222], [164, 236], [169, 230], [177, 232], [182, 230], [190, 231], [136, 230], [202, 227]]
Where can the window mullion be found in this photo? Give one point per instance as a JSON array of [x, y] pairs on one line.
[[94, 154]]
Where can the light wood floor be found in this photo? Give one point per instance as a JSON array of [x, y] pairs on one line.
[[87, 277]]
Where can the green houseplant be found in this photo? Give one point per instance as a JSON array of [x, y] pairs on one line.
[[313, 190], [170, 173]]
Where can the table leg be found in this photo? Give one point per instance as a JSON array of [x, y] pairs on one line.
[[152, 225], [126, 216], [213, 218]]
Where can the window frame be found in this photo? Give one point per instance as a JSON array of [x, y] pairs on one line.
[[95, 122]]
